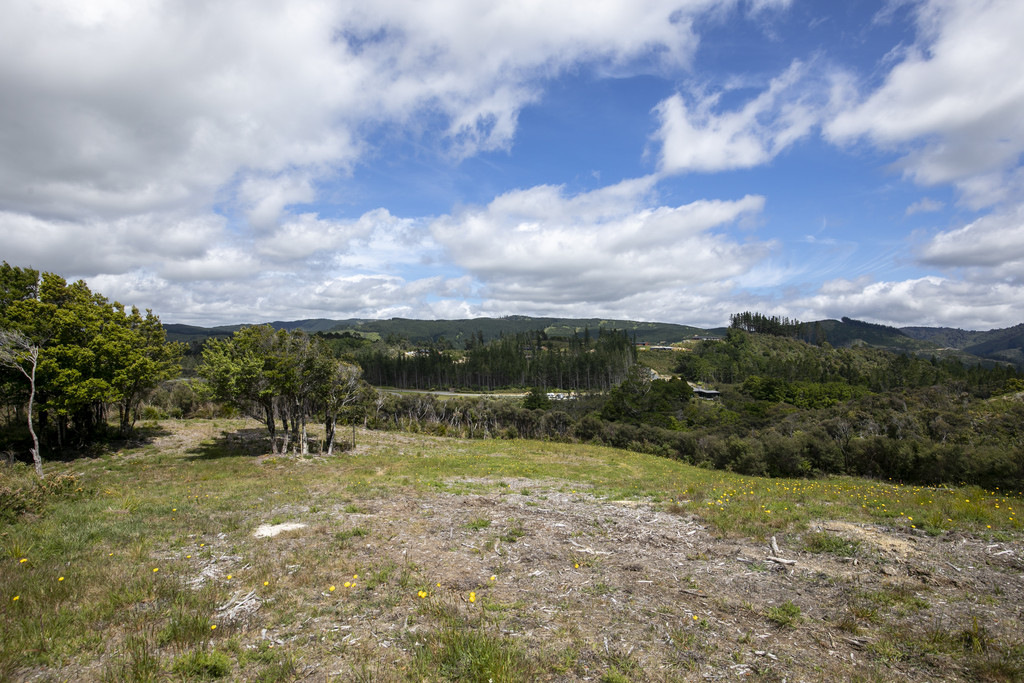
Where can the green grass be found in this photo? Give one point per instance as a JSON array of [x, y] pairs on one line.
[[471, 653], [787, 614], [87, 594], [824, 542], [202, 665]]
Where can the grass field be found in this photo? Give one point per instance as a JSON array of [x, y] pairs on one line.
[[421, 558]]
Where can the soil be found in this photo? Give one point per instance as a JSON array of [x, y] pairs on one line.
[[660, 597]]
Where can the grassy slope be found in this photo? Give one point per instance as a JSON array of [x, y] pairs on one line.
[[149, 569]]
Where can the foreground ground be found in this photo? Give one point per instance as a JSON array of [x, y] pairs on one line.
[[194, 554]]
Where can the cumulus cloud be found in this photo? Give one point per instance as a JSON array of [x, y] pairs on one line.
[[696, 136], [174, 151], [994, 242], [113, 110], [86, 248], [540, 248], [929, 300], [952, 104], [307, 234]]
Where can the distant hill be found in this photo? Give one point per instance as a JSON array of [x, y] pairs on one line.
[[458, 331], [971, 347], [850, 332], [1006, 344]]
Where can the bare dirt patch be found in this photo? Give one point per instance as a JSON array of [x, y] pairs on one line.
[[619, 585]]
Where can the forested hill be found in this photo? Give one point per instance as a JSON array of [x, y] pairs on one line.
[[1004, 344], [971, 347], [456, 332]]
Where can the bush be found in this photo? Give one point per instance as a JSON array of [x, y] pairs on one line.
[[21, 491]]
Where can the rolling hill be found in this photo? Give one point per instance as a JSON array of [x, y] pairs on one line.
[[971, 347]]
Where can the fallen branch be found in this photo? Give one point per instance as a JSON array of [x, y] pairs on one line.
[[780, 560], [584, 549]]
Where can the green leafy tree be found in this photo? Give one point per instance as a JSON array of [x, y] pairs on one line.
[[344, 397], [640, 399], [89, 353], [283, 376], [537, 399], [240, 371], [135, 355]]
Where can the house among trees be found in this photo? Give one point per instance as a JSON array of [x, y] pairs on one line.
[[701, 392]]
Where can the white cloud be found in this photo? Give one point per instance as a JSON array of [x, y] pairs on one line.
[[265, 198], [218, 263], [111, 109], [930, 300], [925, 205], [540, 249], [994, 242], [698, 137], [307, 234], [97, 246], [954, 103]]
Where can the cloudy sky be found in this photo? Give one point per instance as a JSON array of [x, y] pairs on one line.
[[231, 161]]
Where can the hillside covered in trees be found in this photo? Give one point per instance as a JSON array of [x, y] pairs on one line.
[[970, 347], [784, 408]]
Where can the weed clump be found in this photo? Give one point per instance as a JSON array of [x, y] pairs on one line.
[[786, 615]]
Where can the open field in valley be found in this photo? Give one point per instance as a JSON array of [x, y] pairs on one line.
[[193, 554]]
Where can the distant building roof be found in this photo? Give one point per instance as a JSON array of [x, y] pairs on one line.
[[701, 392]]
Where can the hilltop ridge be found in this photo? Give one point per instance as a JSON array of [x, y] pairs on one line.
[[970, 346]]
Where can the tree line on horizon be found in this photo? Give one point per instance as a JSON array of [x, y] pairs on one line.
[[517, 360]]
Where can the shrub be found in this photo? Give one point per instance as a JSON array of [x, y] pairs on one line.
[[21, 491]]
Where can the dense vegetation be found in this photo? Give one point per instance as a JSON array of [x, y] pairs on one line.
[[457, 333], [520, 360], [787, 408], [69, 356]]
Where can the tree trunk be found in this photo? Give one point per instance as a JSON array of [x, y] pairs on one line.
[[37, 458], [271, 426], [329, 423], [304, 443]]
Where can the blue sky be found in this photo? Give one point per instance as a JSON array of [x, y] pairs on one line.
[[669, 160]]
